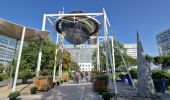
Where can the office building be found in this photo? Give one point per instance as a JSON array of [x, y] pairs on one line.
[[82, 54], [163, 42], [131, 50], [7, 49]]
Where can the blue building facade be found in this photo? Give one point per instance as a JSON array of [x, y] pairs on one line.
[[7, 49]]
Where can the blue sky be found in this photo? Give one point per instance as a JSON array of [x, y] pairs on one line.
[[148, 17]]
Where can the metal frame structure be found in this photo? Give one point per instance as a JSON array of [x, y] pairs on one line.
[[106, 37]]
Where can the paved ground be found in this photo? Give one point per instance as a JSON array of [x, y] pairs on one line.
[[80, 91]]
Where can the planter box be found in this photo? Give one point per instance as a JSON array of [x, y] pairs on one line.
[[160, 85], [43, 83], [99, 85], [24, 80]]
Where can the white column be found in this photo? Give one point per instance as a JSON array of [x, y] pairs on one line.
[[18, 61], [106, 40], [41, 47], [61, 57], [98, 54], [55, 59], [39, 58], [113, 67]]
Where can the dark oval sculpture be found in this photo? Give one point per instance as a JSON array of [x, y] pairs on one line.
[[77, 29]]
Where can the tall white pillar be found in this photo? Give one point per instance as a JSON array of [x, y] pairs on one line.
[[18, 60], [61, 57], [106, 40], [98, 54], [39, 58], [41, 47], [55, 59], [113, 67]]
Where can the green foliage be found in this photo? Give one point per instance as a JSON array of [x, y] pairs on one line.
[[118, 60], [163, 60], [122, 75], [102, 76], [160, 74], [107, 95], [4, 76], [1, 68], [25, 73], [1, 79], [133, 73], [14, 95], [30, 56], [33, 90]]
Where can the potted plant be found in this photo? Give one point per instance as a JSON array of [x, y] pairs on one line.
[[101, 82], [25, 75], [107, 95], [133, 73], [14, 95], [160, 80], [44, 81], [33, 90], [129, 80], [122, 77]]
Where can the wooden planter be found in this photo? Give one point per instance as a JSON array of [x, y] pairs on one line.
[[100, 85], [43, 83]]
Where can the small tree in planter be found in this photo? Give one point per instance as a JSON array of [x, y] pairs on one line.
[[25, 75], [44, 81], [160, 80], [33, 90], [107, 95], [101, 82], [122, 77], [14, 95], [133, 73]]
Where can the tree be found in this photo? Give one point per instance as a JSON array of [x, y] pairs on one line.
[[163, 60], [118, 59], [30, 56]]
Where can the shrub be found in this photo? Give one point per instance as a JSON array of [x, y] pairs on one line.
[[14, 95], [160, 74], [122, 75], [4, 76], [33, 90], [26, 73], [107, 95], [1, 79], [133, 73], [1, 69], [58, 83], [102, 76]]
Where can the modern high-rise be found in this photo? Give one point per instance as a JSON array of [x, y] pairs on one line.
[[7, 49], [82, 54], [131, 50], [163, 42]]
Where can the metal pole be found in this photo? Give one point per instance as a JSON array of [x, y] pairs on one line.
[[98, 55], [113, 67], [55, 59], [106, 40], [11, 79], [41, 47], [19, 58]]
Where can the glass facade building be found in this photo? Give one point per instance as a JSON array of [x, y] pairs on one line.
[[163, 42], [7, 49], [82, 54]]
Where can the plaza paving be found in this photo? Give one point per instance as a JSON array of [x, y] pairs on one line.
[[81, 91]]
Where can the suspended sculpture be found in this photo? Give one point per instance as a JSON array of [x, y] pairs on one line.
[[77, 29]]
